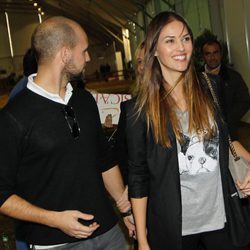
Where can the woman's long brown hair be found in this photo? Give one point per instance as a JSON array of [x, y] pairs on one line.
[[152, 99]]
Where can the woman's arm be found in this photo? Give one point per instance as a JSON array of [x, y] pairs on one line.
[[139, 206], [138, 172]]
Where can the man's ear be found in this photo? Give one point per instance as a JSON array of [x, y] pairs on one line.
[[65, 54], [156, 53]]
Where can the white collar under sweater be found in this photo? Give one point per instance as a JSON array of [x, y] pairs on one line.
[[31, 85]]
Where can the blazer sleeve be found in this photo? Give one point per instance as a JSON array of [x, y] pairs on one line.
[[136, 135], [121, 148]]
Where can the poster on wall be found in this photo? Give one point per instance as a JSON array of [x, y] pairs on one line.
[[109, 106]]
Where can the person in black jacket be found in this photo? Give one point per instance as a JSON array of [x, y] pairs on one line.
[[178, 174], [29, 67], [234, 92]]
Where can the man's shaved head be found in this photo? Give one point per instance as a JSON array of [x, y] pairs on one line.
[[53, 34]]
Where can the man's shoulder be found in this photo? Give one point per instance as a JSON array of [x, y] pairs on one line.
[[82, 95], [27, 105], [20, 101], [230, 72]]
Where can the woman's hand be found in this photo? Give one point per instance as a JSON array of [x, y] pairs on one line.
[[244, 186], [144, 246]]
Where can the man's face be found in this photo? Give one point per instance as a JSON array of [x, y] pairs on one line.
[[212, 55], [79, 56]]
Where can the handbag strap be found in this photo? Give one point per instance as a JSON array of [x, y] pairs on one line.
[[231, 146]]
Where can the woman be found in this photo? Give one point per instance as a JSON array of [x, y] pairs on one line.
[[177, 149]]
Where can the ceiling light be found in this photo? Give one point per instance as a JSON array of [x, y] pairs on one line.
[[35, 4], [39, 9], [42, 13]]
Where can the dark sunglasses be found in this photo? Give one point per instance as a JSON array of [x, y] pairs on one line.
[[72, 122]]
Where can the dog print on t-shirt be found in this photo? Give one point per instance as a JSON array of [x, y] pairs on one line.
[[198, 154]]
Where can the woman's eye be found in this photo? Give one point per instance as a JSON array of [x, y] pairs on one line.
[[170, 41], [186, 39]]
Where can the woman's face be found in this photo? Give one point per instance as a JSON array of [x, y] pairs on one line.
[[174, 48]]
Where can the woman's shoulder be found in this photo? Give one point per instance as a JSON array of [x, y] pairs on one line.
[[129, 104]]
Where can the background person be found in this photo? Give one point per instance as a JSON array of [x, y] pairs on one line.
[[234, 92], [29, 67]]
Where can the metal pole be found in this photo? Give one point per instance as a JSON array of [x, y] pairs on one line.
[[110, 32], [246, 30], [226, 34]]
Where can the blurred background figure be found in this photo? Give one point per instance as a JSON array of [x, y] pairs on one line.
[[140, 57], [29, 67], [233, 90]]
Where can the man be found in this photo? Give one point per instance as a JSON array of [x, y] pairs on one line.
[[233, 90], [54, 160]]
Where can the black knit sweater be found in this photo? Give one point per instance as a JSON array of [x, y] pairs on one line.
[[41, 162]]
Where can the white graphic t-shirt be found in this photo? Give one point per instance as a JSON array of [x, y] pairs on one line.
[[201, 189]]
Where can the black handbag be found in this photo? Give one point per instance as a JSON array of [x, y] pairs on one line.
[[238, 217]]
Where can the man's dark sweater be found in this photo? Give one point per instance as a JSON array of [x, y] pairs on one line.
[[41, 162]]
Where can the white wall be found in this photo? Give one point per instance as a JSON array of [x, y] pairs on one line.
[[236, 18]]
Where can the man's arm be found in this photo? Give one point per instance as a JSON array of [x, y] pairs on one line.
[[66, 221], [114, 184]]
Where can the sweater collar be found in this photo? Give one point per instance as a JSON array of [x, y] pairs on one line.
[[53, 97]]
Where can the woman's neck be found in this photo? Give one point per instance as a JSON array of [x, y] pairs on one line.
[[177, 93]]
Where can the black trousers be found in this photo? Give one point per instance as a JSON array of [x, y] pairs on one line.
[[214, 240]]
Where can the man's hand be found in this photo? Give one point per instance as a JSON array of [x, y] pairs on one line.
[[130, 224], [68, 222], [124, 205]]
